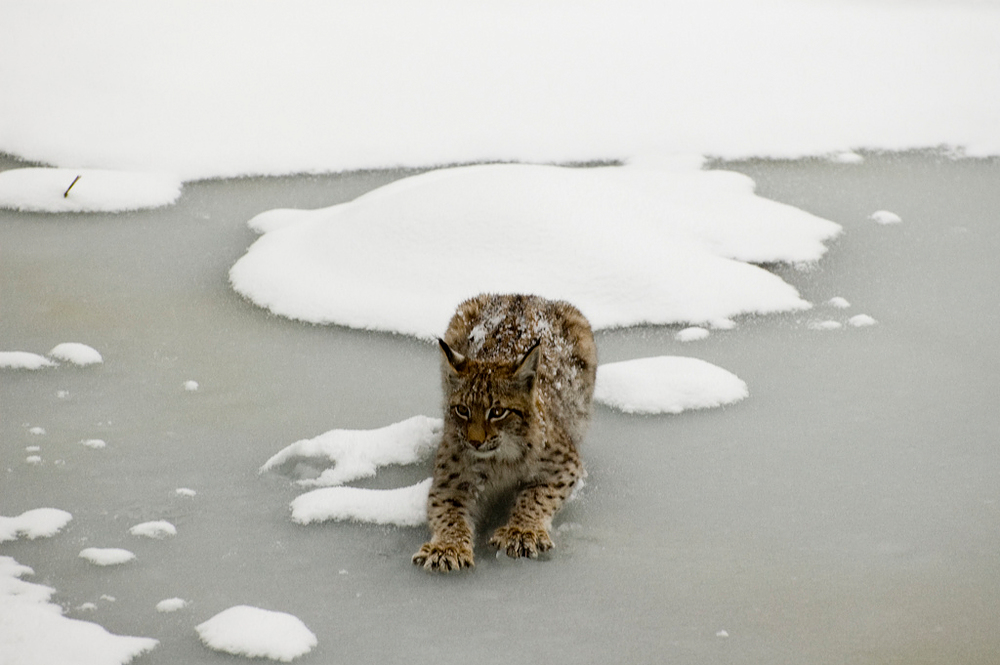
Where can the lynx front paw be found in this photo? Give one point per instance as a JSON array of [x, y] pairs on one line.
[[517, 542], [444, 557]]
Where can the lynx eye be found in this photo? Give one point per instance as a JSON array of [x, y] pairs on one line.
[[461, 411], [498, 413]]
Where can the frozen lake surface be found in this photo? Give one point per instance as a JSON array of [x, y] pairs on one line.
[[847, 511]]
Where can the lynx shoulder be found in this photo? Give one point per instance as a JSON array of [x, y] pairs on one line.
[[518, 377]]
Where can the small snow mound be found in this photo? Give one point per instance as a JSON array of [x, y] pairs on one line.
[[33, 459], [358, 453], [847, 157], [406, 506], [250, 631], [94, 443], [23, 360], [885, 217], [861, 321], [191, 386], [37, 431], [691, 334], [171, 605], [106, 556], [838, 302], [825, 325], [666, 384], [76, 353], [158, 529], [185, 491], [85, 190], [37, 523]]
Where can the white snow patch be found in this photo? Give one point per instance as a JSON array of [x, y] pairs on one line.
[[37, 523], [86, 607], [76, 353], [94, 443], [32, 449], [358, 453], [847, 157], [33, 459], [106, 556], [666, 384], [691, 334], [171, 605], [885, 217], [158, 529], [24, 360], [825, 325], [85, 190], [36, 431], [35, 632], [627, 245], [250, 631], [838, 302], [191, 386], [185, 491], [861, 321], [406, 506]]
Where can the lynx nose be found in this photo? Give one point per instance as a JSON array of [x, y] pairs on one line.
[[476, 435]]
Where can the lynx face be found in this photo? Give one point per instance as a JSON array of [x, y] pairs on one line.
[[488, 404]]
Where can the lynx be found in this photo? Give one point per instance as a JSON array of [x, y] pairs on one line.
[[518, 376]]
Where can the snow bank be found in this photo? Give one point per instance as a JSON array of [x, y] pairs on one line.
[[406, 506], [76, 353], [23, 360], [358, 453], [106, 556], [158, 529], [85, 190], [666, 384], [37, 523], [661, 242], [33, 631], [250, 631], [214, 88]]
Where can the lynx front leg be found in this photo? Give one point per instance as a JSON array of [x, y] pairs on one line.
[[527, 531], [450, 546]]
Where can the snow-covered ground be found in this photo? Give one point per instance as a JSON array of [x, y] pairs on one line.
[[847, 507]]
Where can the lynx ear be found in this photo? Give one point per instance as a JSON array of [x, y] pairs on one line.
[[455, 359], [525, 372]]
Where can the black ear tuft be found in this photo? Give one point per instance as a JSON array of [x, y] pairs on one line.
[[455, 360]]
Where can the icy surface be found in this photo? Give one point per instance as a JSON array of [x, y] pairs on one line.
[[33, 631], [660, 242], [250, 631], [37, 523], [158, 529], [666, 384], [76, 353], [106, 556], [406, 506], [23, 360], [251, 87], [85, 190], [358, 453]]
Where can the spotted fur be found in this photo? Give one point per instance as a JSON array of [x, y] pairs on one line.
[[518, 377]]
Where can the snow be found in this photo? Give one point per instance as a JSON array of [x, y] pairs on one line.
[[171, 605], [250, 631], [106, 556], [33, 631], [885, 217], [74, 352], [23, 360], [358, 453], [691, 334], [838, 302], [861, 321], [666, 384], [158, 529], [659, 241], [37, 523], [405, 506], [85, 190], [94, 443], [185, 491], [827, 324], [210, 89], [191, 386]]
